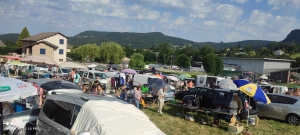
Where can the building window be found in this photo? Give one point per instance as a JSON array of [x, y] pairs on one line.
[[61, 51], [42, 51], [61, 41], [61, 60]]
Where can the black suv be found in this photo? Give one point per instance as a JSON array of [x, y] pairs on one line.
[[192, 91], [211, 99]]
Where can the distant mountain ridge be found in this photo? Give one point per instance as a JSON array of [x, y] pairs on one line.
[[293, 37], [147, 40]]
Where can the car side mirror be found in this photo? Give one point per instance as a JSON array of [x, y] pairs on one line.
[[84, 133]]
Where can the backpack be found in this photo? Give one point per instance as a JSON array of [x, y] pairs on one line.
[[76, 76]]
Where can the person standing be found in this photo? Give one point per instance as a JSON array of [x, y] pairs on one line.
[[138, 96], [71, 74], [236, 104], [161, 101], [124, 92], [76, 78]]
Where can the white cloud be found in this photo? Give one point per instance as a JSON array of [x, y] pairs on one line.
[[240, 1], [144, 13], [210, 23], [277, 4], [257, 1], [165, 17]]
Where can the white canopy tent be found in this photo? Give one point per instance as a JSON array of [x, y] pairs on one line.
[[71, 65], [104, 117]]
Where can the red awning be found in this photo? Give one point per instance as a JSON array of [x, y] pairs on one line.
[[13, 57]]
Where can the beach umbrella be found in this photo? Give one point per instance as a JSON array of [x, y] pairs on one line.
[[158, 83], [129, 71], [13, 89], [227, 84], [252, 90], [39, 60], [182, 77], [187, 75], [18, 63], [172, 78]]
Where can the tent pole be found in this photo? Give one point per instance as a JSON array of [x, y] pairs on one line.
[[1, 118], [248, 114]]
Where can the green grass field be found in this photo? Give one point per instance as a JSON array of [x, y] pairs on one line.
[[289, 85], [180, 72], [172, 125], [293, 56]]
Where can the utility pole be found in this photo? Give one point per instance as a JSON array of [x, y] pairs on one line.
[[171, 61]]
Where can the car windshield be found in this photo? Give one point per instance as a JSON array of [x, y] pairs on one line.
[[65, 70], [101, 75]]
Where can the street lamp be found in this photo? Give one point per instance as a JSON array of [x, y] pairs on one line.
[[191, 62], [171, 61]]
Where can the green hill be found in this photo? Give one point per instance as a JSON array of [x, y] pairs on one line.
[[136, 40], [140, 40], [293, 37], [9, 39]]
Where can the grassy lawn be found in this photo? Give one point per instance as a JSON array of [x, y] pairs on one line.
[[172, 125], [180, 72], [293, 56]]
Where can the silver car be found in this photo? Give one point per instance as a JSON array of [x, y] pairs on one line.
[[282, 107]]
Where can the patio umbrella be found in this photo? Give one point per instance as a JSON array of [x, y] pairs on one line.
[[129, 71], [172, 78], [18, 63], [39, 60], [252, 90], [100, 67], [92, 65], [227, 84], [187, 75], [182, 77], [13, 89], [71, 65], [158, 83]]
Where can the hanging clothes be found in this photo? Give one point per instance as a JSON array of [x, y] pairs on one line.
[[121, 80], [112, 82]]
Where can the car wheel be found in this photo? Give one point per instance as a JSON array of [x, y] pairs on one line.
[[19, 132], [293, 119]]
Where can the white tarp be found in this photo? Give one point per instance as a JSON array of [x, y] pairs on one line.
[[113, 118]]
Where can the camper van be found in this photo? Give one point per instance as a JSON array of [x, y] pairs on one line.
[[205, 80], [141, 79]]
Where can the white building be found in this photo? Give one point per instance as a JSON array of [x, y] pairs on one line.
[[258, 65], [278, 52]]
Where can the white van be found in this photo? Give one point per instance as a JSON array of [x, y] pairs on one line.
[[92, 75], [204, 80], [115, 74], [142, 79], [279, 89]]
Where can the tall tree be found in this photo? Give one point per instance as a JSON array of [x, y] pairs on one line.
[[88, 52], [137, 61], [149, 56], [111, 52], [204, 51], [209, 63], [183, 61], [219, 65], [128, 50], [165, 51], [24, 34]]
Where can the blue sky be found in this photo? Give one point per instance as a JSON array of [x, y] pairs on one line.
[[197, 20]]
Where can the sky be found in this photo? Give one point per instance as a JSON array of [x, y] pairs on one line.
[[196, 20]]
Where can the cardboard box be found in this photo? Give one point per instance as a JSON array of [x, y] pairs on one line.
[[235, 129]]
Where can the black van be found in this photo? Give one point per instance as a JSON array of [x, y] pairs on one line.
[[214, 98]]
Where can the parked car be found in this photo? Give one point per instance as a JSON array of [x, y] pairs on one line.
[[282, 107], [41, 68], [83, 114], [211, 99], [169, 93], [93, 75], [192, 91]]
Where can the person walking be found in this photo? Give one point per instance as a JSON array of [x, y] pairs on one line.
[[161, 101], [138, 96]]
